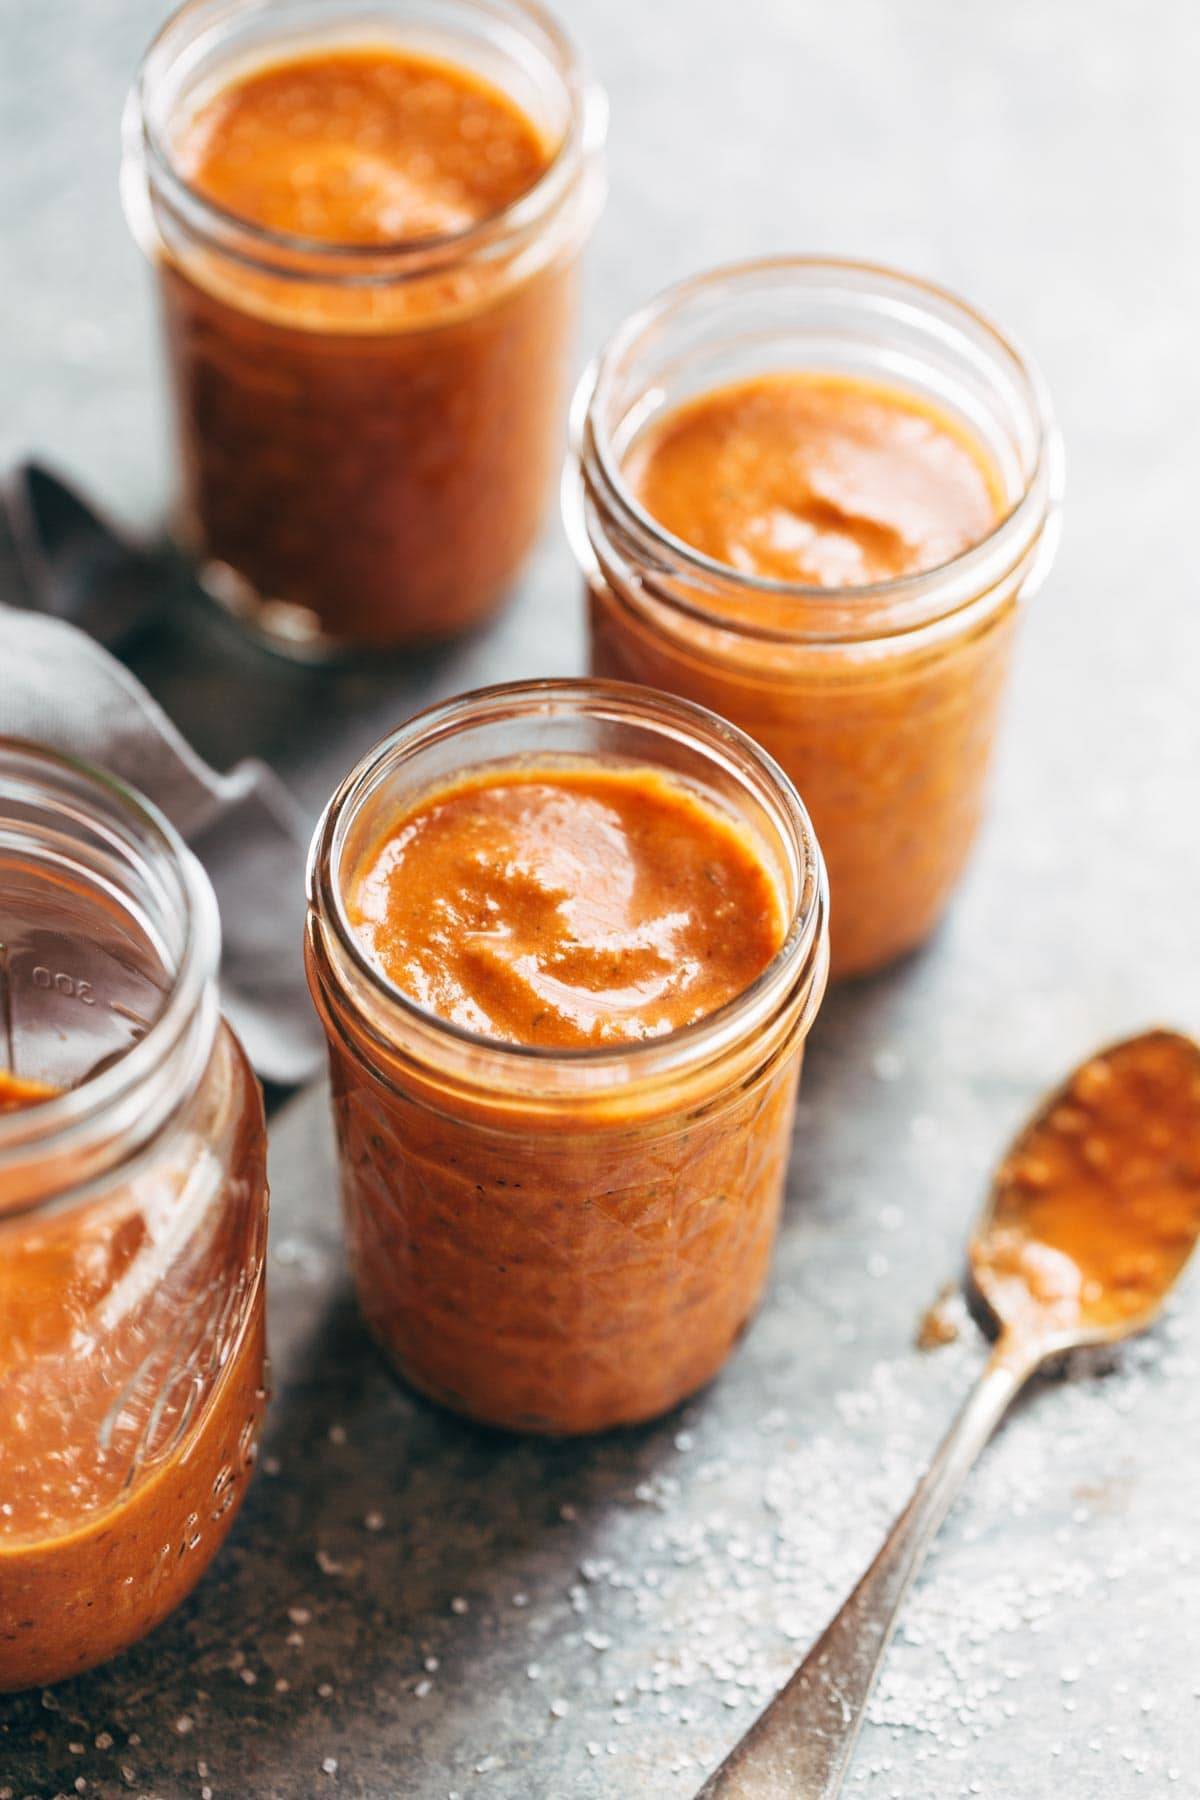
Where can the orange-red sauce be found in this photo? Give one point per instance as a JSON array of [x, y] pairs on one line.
[[361, 146], [16, 1093], [131, 1389], [832, 482], [561, 1258], [372, 453], [568, 907], [814, 478], [1098, 1207]]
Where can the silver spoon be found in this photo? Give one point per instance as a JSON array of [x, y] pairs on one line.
[[1091, 1218]]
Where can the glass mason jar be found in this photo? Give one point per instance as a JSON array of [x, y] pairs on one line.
[[367, 434], [550, 1240], [133, 1208], [881, 702]]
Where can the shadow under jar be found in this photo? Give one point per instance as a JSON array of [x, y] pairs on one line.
[[133, 1210], [880, 700], [563, 1239], [367, 330]]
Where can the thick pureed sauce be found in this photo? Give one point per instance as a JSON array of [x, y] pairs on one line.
[[361, 146], [1098, 1207], [568, 908], [817, 479], [824, 481], [17, 1093], [368, 424], [552, 1253], [131, 1387]]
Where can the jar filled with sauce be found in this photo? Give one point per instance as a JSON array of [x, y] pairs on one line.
[[365, 222], [133, 1208], [812, 496], [567, 940]]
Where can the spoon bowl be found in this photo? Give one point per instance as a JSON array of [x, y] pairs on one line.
[[1095, 1210]]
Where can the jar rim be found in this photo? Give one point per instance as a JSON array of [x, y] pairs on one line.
[[77, 1112], [802, 955], [594, 469], [392, 259]]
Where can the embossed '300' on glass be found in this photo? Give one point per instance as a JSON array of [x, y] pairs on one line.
[[365, 221], [567, 941]]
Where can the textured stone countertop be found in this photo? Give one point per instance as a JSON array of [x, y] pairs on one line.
[[411, 1607]]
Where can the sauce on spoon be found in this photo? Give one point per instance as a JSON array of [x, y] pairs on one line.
[[1096, 1208], [1092, 1216]]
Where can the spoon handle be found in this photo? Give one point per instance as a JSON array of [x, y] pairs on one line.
[[799, 1748]]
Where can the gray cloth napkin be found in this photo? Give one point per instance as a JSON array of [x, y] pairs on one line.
[[59, 688]]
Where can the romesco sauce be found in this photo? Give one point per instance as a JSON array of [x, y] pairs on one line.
[[819, 479], [566, 1002], [355, 146], [830, 482], [1096, 1210], [367, 355], [131, 1389], [568, 908], [16, 1092], [829, 558]]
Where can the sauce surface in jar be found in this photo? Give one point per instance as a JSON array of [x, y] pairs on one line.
[[131, 1388], [818, 479], [568, 908], [362, 146]]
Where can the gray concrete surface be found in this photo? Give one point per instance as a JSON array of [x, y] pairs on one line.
[[1042, 158]]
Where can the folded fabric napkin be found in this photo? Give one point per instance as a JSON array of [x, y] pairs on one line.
[[60, 688]]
